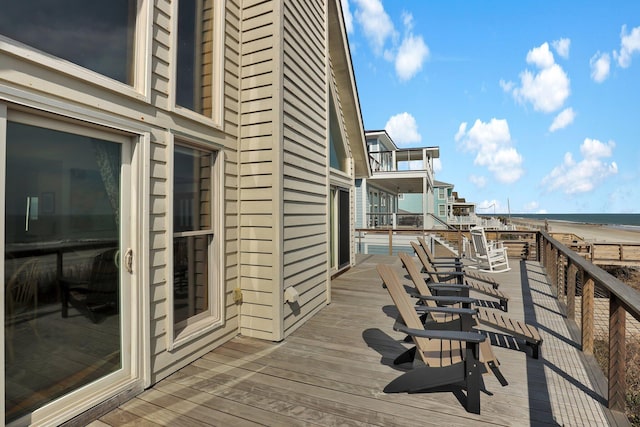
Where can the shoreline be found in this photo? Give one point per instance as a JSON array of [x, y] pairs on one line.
[[600, 233]]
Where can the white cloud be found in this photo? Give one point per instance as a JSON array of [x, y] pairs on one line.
[[437, 165], [572, 177], [411, 55], [600, 66], [347, 16], [408, 55], [629, 44], [375, 22], [491, 142], [507, 86], [478, 180], [490, 206], [562, 47], [462, 129], [541, 56], [403, 129], [531, 206], [562, 120], [407, 21], [592, 148], [548, 89]]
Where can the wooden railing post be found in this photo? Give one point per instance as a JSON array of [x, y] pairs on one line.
[[547, 256], [539, 255], [561, 274], [571, 291], [390, 241], [617, 355], [553, 274], [588, 322]]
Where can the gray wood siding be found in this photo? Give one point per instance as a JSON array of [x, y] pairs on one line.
[[259, 180], [65, 93], [305, 185], [165, 362]]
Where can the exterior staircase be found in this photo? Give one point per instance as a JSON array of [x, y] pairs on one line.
[[441, 240]]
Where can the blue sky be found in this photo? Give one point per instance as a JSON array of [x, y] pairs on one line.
[[535, 105]]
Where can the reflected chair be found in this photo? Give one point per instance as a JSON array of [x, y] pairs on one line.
[[21, 301], [98, 294]]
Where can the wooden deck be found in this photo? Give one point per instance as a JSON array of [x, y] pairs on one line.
[[332, 371]]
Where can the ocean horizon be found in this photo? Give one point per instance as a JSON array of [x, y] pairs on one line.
[[631, 220]]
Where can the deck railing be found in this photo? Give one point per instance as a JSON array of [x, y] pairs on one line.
[[571, 277], [584, 287]]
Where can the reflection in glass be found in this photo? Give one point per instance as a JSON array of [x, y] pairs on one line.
[[97, 35], [191, 189], [62, 281], [192, 227], [191, 283], [194, 65]]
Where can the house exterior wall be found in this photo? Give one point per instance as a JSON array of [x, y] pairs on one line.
[[305, 138], [165, 359], [284, 170], [259, 181], [273, 177], [146, 112]]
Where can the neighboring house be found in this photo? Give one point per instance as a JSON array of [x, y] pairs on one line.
[[396, 173], [174, 174], [443, 200], [455, 211], [462, 214]]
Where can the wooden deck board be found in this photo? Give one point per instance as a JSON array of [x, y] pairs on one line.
[[332, 370]]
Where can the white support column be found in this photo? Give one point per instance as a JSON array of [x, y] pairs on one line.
[[425, 199]]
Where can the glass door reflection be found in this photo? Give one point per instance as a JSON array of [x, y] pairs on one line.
[[62, 264]]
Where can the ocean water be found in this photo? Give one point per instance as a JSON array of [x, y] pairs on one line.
[[614, 220]]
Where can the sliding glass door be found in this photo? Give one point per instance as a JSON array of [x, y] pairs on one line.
[[340, 228], [66, 263]]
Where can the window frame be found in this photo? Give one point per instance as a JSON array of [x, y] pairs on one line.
[[217, 67], [214, 318], [139, 89]]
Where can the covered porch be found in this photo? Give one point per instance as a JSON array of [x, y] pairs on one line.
[[333, 369]]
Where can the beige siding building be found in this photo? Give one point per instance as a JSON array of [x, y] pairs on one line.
[[175, 174]]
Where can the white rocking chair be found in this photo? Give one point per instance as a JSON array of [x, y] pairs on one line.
[[492, 255]]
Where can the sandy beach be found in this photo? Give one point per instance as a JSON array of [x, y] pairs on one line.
[[588, 232]]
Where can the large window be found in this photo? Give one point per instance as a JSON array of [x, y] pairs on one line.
[[193, 236], [198, 69], [98, 35]]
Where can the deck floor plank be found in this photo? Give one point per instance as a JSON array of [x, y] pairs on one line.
[[332, 370]]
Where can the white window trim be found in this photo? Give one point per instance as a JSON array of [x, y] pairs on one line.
[[217, 55], [141, 87], [215, 319]]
